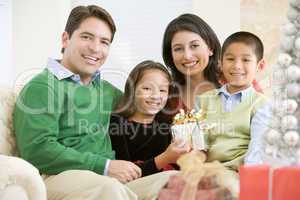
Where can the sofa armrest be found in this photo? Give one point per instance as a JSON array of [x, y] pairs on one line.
[[16, 171]]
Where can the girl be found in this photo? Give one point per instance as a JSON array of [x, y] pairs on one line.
[[135, 133]]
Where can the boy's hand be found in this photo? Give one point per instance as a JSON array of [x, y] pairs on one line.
[[124, 171]]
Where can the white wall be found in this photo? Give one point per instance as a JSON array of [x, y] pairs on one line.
[[140, 29], [38, 24], [37, 28], [222, 15], [6, 65]]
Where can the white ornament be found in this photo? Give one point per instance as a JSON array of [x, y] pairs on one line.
[[296, 59], [298, 157], [292, 90], [289, 29], [292, 14], [278, 110], [293, 72], [273, 136], [275, 123], [296, 53], [289, 106], [295, 3], [298, 153], [279, 76], [270, 150], [289, 122], [297, 43], [291, 138], [284, 59], [287, 43], [277, 107]]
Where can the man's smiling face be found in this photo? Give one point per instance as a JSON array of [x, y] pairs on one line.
[[87, 49]]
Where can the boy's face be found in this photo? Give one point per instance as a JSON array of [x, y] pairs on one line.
[[87, 49], [239, 65]]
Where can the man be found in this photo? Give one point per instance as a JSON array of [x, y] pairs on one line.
[[62, 116]]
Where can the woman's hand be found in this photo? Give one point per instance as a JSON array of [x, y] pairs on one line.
[[172, 153]]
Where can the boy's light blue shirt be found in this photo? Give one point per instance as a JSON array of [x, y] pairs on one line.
[[61, 72], [259, 122]]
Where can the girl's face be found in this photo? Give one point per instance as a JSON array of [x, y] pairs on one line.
[[151, 92], [190, 53], [239, 65]]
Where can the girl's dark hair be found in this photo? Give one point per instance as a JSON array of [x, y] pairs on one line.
[[193, 23], [247, 38], [80, 13], [126, 107]]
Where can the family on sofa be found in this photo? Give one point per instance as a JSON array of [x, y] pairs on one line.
[[89, 140]]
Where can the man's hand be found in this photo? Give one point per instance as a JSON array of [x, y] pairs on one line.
[[124, 171]]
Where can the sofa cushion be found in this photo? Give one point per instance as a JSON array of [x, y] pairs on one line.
[[7, 138], [15, 171]]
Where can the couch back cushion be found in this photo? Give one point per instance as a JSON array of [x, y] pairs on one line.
[[7, 138]]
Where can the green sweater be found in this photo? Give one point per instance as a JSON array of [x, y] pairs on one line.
[[61, 125], [228, 141]]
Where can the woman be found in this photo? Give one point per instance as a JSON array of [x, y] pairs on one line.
[[191, 50]]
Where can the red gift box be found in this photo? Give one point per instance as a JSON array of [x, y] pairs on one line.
[[260, 182], [254, 182]]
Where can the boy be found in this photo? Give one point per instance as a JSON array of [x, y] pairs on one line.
[[241, 113]]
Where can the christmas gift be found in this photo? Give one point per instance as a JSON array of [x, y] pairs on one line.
[[198, 180], [190, 128], [262, 182]]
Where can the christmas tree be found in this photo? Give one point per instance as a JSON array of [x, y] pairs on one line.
[[281, 142]]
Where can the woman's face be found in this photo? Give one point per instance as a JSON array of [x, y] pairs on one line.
[[190, 53]]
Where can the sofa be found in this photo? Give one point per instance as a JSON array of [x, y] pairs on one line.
[[18, 178]]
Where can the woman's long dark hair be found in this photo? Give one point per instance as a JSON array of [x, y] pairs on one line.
[[193, 23]]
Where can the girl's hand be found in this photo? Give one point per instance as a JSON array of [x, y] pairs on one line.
[[172, 153]]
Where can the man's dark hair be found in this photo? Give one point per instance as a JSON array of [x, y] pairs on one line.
[[81, 13]]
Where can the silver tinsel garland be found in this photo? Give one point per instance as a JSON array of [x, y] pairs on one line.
[[281, 142]]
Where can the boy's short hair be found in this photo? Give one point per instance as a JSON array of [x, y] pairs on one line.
[[80, 13], [247, 38]]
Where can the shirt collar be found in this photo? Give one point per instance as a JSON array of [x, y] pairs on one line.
[[61, 72], [240, 94]]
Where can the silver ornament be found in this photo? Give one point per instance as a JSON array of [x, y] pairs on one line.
[[295, 3], [284, 59], [293, 72], [287, 43], [289, 29], [292, 90], [291, 138], [289, 122], [292, 14], [297, 43], [275, 122], [289, 106], [270, 150], [273, 136]]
